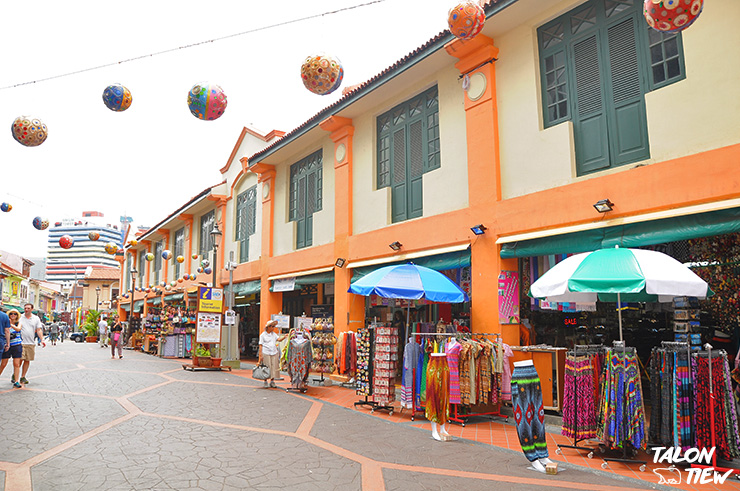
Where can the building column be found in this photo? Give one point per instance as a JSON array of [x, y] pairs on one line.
[[188, 247], [166, 264], [349, 308], [477, 59]]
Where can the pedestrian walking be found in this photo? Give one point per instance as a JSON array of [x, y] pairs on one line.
[[15, 350], [116, 338], [269, 353], [31, 326], [103, 333], [54, 333], [4, 331]]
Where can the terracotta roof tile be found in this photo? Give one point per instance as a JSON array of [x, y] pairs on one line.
[[104, 274]]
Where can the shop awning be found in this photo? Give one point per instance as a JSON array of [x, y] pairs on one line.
[[438, 262], [157, 301], [246, 288], [629, 235], [126, 307], [312, 279], [175, 296], [138, 305]]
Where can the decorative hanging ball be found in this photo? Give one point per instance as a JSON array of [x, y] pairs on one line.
[[192, 277], [40, 223], [166, 255], [173, 283], [466, 19], [133, 242], [322, 74], [167, 287], [125, 295], [111, 247], [180, 280], [148, 290], [207, 101], [117, 98], [149, 256], [180, 259], [205, 263], [29, 131], [199, 270], [671, 15], [195, 256], [208, 271], [66, 241], [93, 236], [6, 207]]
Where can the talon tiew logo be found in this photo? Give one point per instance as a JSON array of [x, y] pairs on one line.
[[672, 475]]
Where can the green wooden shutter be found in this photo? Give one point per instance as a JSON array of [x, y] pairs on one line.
[[398, 188], [627, 115], [311, 201], [300, 219], [590, 119], [415, 169]]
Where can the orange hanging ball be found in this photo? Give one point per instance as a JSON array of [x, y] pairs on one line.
[[671, 15], [466, 19], [322, 74]]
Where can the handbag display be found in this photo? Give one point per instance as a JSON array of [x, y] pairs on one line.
[[261, 372]]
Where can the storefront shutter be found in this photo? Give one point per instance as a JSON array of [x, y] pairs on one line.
[[416, 170], [300, 220], [398, 189]]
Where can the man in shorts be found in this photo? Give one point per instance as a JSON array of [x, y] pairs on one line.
[[30, 326], [54, 333]]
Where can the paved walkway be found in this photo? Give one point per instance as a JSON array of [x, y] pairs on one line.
[[86, 421]]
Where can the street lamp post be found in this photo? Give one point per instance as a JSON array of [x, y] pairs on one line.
[[97, 298], [216, 237], [131, 306]]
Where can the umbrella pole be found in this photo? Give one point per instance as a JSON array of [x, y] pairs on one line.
[[406, 327], [619, 310]]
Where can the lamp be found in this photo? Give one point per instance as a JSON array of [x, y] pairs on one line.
[[604, 205], [216, 237], [395, 245], [97, 298], [479, 229], [340, 262]]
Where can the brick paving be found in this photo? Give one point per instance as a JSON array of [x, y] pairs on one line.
[[88, 422]]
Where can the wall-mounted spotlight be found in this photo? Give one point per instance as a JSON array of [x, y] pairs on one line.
[[395, 245], [479, 229], [340, 262], [604, 205]]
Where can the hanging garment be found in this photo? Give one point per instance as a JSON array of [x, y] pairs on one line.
[[506, 378], [453, 357], [464, 368], [725, 428], [529, 412], [579, 406], [410, 360], [438, 390], [299, 360]]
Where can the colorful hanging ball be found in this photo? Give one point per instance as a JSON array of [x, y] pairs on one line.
[[167, 287], [180, 280], [173, 283], [208, 271], [195, 256], [322, 74], [166, 254], [148, 290], [466, 19], [116, 97], [40, 223], [6, 207], [671, 15], [29, 131], [207, 101], [93, 236], [162, 283], [149, 256], [199, 270], [111, 248], [192, 277], [180, 259], [205, 263], [133, 242], [66, 241], [186, 277]]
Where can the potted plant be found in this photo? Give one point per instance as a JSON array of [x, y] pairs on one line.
[[90, 325], [202, 356]]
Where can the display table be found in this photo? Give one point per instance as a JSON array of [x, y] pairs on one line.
[[151, 344], [550, 366]]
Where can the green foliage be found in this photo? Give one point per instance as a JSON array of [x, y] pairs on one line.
[[201, 351], [90, 325]]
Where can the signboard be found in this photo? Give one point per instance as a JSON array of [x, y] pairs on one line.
[[230, 317], [208, 328], [284, 285], [323, 311], [508, 297], [210, 299], [283, 321], [303, 323]]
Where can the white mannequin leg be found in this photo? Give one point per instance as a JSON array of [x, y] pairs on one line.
[[538, 466], [435, 432]]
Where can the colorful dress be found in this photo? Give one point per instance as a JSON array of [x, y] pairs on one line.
[[453, 357], [299, 361], [438, 383], [410, 359]]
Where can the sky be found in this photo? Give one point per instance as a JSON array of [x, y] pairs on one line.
[[149, 160]]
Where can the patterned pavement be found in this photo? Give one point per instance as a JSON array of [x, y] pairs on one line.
[[86, 421]]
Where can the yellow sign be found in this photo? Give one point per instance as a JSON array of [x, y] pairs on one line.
[[210, 299]]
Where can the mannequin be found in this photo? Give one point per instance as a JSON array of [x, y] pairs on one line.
[[438, 391], [529, 413]]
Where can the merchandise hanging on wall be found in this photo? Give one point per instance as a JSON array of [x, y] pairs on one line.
[[117, 98], [29, 131], [466, 19], [322, 74], [207, 101], [672, 15]]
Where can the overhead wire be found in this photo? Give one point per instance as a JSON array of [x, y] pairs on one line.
[[192, 45]]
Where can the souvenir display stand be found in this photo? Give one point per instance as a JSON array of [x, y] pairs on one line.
[[385, 358], [364, 375], [323, 341]]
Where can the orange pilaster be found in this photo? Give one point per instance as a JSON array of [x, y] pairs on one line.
[[188, 219]]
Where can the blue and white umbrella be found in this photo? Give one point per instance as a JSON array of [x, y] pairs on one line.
[[409, 281]]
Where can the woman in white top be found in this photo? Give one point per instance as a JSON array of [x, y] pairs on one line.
[[269, 353]]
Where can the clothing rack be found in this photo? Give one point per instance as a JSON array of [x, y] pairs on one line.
[[709, 353], [587, 349], [624, 459]]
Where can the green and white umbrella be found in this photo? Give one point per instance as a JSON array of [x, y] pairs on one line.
[[619, 275]]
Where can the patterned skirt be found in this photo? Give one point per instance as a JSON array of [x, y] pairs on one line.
[[579, 406], [529, 413]]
